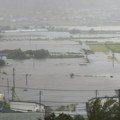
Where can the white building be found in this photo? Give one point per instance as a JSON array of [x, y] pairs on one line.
[[23, 106]]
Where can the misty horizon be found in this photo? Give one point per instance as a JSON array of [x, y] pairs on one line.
[[79, 12]]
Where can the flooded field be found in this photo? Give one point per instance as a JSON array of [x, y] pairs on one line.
[[52, 77], [52, 46]]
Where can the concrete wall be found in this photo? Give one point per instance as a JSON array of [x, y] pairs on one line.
[[21, 116]]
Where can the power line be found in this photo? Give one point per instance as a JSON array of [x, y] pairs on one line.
[[75, 102], [64, 90], [69, 102]]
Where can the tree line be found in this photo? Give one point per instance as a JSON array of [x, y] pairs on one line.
[[19, 54]]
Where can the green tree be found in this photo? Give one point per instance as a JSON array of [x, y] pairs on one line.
[[92, 31], [50, 117], [103, 109], [30, 52], [78, 117], [64, 117], [41, 53], [16, 54], [2, 62], [74, 31]]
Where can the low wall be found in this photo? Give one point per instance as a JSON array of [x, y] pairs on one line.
[[21, 116]]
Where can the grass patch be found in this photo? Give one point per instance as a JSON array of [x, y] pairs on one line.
[[98, 48], [104, 46], [66, 56], [114, 47]]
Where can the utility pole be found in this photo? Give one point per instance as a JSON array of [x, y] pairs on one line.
[[33, 61], [0, 74], [96, 93], [113, 58], [8, 88], [119, 96], [13, 88], [40, 100], [26, 76]]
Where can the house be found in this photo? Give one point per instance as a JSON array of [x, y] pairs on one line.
[[24, 106]]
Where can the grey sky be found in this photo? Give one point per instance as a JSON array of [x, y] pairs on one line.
[[49, 4], [32, 8]]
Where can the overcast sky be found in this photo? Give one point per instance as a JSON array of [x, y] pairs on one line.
[[49, 4], [24, 7]]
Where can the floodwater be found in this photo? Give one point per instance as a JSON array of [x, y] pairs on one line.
[[53, 76], [52, 46]]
